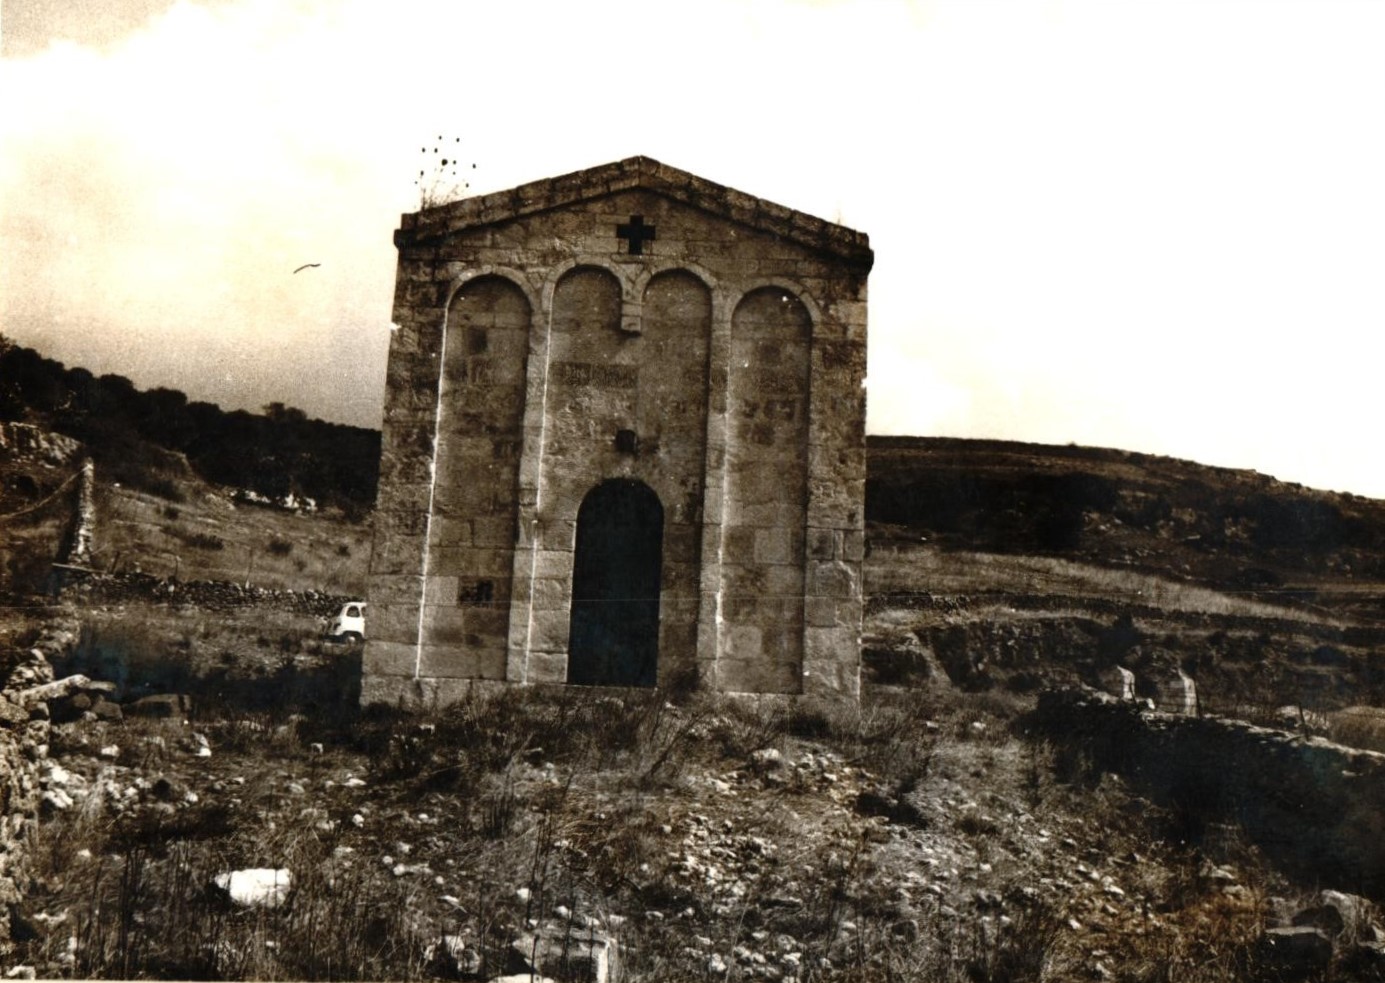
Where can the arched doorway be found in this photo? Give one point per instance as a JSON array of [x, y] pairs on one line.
[[614, 633]]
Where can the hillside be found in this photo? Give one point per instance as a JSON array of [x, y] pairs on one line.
[[1240, 530], [1018, 563], [932, 832], [151, 438]]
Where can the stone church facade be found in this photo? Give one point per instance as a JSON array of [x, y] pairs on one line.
[[624, 443]]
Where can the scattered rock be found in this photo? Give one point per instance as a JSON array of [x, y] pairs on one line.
[[879, 801], [555, 950], [55, 800], [12, 714], [107, 710], [1293, 953], [453, 956], [168, 790], [1367, 959], [766, 759], [163, 706], [57, 776], [1327, 918], [266, 887]]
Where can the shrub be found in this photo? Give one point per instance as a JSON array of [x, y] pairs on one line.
[[165, 488], [280, 547]]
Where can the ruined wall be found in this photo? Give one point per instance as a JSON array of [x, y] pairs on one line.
[[1316, 808], [720, 366]]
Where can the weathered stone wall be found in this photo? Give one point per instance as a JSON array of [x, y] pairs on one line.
[[23, 748], [1315, 807], [539, 355]]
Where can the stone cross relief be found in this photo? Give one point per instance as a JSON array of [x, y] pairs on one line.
[[636, 234]]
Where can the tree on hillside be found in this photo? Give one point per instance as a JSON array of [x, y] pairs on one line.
[[11, 399], [131, 431]]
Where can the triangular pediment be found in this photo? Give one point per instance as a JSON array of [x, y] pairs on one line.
[[637, 174]]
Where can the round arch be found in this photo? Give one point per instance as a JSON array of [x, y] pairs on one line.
[[512, 276], [613, 637], [789, 287]]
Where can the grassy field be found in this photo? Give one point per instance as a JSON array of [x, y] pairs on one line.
[[897, 568]]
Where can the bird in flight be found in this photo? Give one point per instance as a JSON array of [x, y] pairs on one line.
[[306, 266]]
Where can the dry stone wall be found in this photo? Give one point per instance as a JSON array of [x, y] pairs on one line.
[[604, 337], [207, 595], [45, 505], [23, 748]]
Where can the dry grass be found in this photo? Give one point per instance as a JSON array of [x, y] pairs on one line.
[[592, 802]]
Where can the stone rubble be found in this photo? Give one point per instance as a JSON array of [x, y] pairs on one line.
[[947, 851]]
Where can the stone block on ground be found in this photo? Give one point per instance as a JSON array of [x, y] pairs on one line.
[[162, 706], [256, 887], [566, 952]]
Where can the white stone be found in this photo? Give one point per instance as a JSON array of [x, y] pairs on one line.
[[58, 775], [266, 887], [57, 799], [767, 758]]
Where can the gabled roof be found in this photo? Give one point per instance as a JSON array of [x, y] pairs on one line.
[[637, 173]]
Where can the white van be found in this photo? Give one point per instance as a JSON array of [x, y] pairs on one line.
[[349, 623]]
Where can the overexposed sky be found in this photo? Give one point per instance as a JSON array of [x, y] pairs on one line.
[[1158, 226]]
